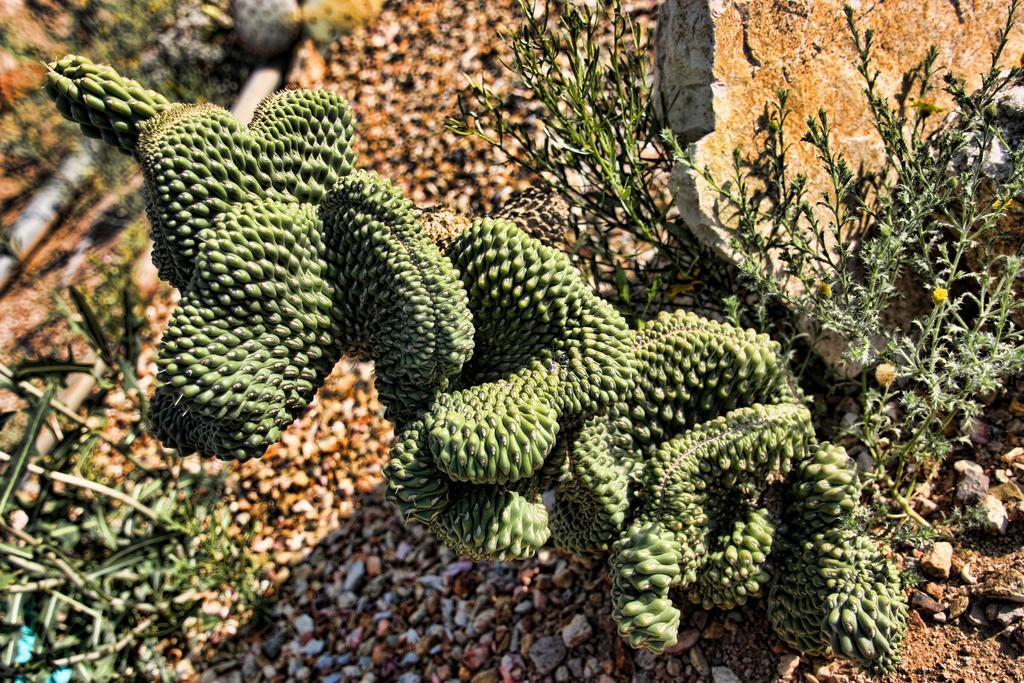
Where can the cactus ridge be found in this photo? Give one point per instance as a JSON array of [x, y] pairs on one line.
[[680, 449]]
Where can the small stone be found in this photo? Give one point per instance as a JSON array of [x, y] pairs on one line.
[[723, 674], [562, 577], [373, 565], [300, 479], [674, 667], [926, 603], [475, 657], [994, 516], [699, 661], [685, 641], [488, 676], [714, 630], [1006, 615], [976, 616], [935, 590], [546, 654], [303, 624], [787, 666], [645, 659], [577, 631], [958, 604], [355, 576], [313, 648], [938, 560], [973, 482]]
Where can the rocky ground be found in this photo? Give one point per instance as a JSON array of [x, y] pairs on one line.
[[349, 593]]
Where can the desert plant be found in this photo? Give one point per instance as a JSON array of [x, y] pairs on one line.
[[505, 374], [587, 69], [937, 219], [98, 570]]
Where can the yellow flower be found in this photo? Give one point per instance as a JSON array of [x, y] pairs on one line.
[[824, 290], [940, 295], [885, 374]]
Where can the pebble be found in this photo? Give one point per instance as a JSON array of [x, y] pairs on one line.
[[976, 616], [926, 603], [303, 624], [699, 661], [645, 659], [723, 674], [938, 560], [973, 482], [787, 666], [1007, 615], [546, 654], [994, 516], [355, 576], [685, 641], [577, 631]]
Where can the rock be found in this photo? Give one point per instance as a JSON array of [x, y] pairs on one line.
[[685, 641], [303, 624], [994, 516], [938, 560], [475, 657], [577, 631], [723, 674], [699, 661], [562, 577], [1007, 615], [787, 666], [935, 590], [313, 648], [355, 576], [645, 659], [717, 64], [488, 676], [546, 654], [976, 616], [926, 603], [973, 483]]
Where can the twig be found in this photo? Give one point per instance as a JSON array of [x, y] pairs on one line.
[[104, 651], [89, 485]]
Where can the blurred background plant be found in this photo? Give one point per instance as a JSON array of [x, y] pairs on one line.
[[105, 559], [183, 49]]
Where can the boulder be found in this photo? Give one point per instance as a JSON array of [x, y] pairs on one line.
[[718, 63]]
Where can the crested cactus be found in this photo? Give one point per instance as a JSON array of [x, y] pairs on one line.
[[679, 449]]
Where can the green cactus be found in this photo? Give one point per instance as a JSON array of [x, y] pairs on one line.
[[679, 449]]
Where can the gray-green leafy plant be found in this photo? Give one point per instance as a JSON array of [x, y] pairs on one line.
[[96, 572], [940, 224], [505, 374]]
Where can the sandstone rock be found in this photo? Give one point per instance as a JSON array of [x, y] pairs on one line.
[[718, 63], [938, 560]]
